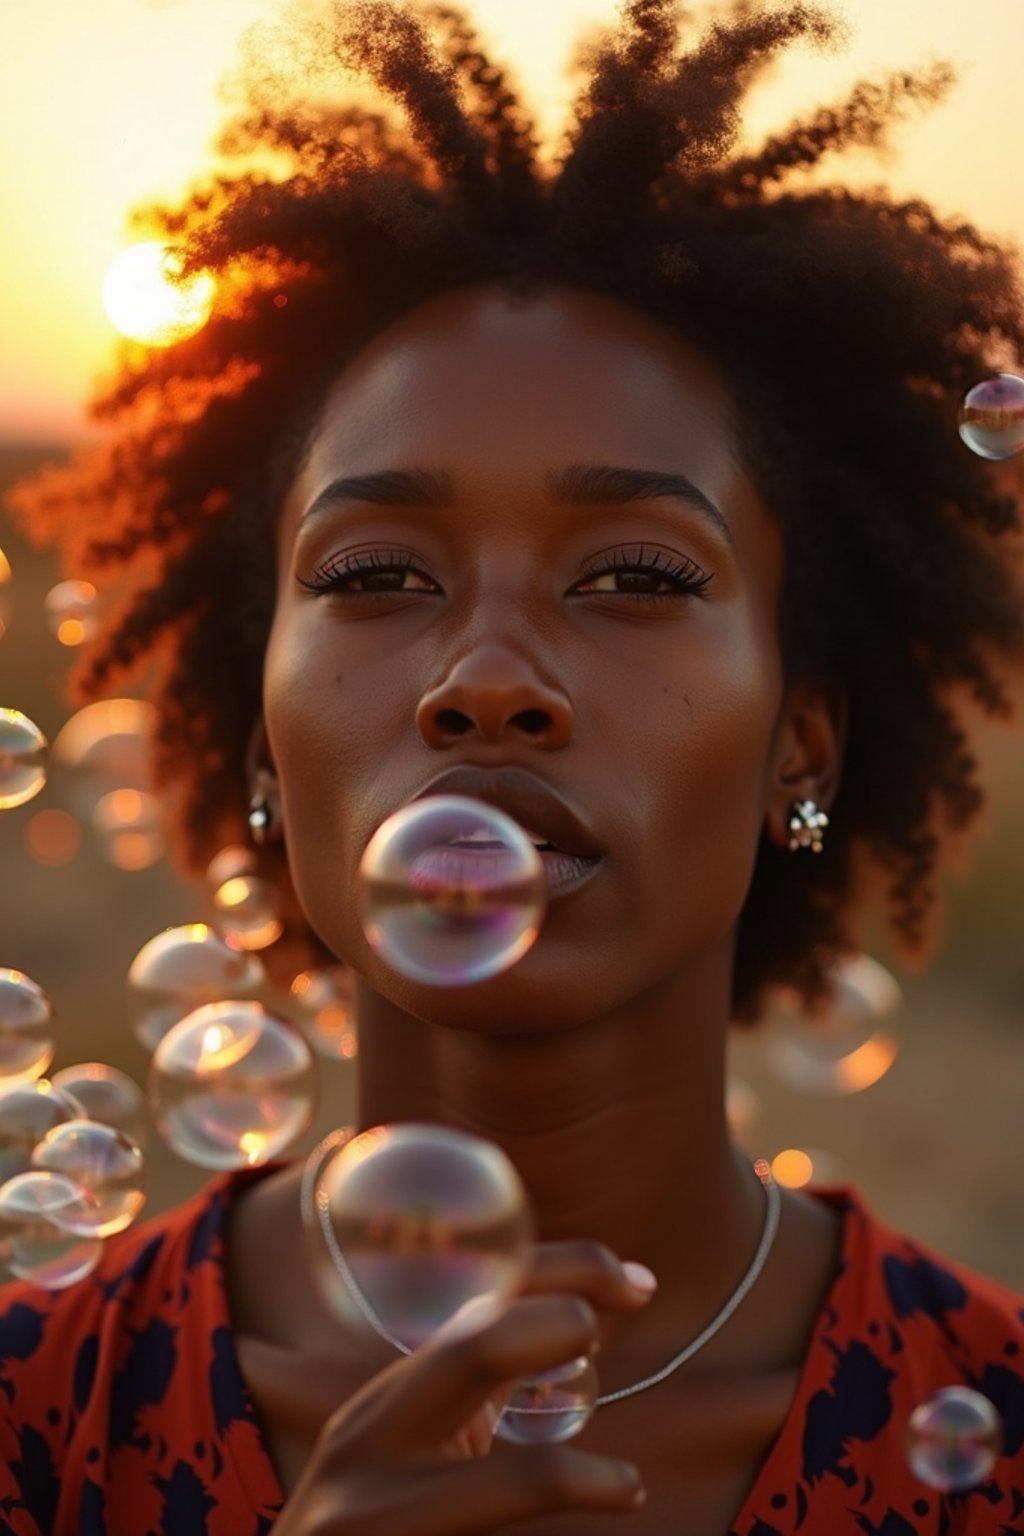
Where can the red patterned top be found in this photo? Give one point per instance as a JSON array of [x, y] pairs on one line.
[[123, 1412]]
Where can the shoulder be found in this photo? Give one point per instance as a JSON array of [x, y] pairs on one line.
[[144, 1285]]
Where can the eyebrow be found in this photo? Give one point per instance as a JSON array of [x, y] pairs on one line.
[[578, 484]]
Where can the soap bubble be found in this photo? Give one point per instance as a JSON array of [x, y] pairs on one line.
[[26, 1029], [230, 862], [796, 1167], [26, 1114], [954, 1439], [71, 611], [6, 604], [325, 1009], [551, 1406], [33, 1244], [742, 1108], [23, 754], [194, 962], [106, 746], [231, 1085], [992, 417], [103, 1162], [841, 1049], [414, 1221], [107, 1095], [246, 912], [452, 891], [129, 828]]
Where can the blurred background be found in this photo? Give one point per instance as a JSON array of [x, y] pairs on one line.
[[109, 106]]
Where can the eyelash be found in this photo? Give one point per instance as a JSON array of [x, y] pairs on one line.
[[686, 577]]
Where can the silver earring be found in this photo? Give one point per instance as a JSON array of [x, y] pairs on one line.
[[259, 819], [806, 826]]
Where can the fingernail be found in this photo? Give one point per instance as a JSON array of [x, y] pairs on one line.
[[472, 1317], [640, 1277], [639, 1497]]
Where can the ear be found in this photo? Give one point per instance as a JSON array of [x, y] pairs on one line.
[[807, 753], [261, 777]]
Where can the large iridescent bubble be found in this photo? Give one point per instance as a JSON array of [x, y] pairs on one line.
[[410, 1222], [992, 417], [451, 891], [954, 1439]]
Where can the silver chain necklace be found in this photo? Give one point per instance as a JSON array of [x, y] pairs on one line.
[[315, 1210]]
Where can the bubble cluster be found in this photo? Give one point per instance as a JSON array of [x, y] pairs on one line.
[[954, 1439], [992, 417], [71, 611], [245, 912], [232, 1085], [26, 1114], [103, 1163], [27, 1042], [552, 1406], [451, 891], [34, 1242], [23, 759], [842, 1048], [413, 1221]]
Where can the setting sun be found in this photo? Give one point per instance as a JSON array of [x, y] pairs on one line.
[[144, 302]]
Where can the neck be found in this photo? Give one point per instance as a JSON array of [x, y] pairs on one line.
[[616, 1127]]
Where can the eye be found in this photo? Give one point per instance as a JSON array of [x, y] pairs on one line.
[[639, 572], [370, 573]]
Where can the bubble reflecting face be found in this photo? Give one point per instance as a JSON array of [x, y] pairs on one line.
[[552, 1406], [992, 417], [26, 1114], [954, 1439], [23, 757], [32, 1243], [107, 1095], [451, 891], [416, 1220], [246, 912], [71, 611], [843, 1048], [194, 962], [325, 1007], [231, 1085], [103, 1162], [26, 1029]]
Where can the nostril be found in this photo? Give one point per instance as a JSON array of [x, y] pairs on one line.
[[453, 722], [533, 721]]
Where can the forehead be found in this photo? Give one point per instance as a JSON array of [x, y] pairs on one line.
[[492, 385]]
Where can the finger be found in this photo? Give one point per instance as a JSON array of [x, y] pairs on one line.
[[588, 1269], [480, 1496], [430, 1396]]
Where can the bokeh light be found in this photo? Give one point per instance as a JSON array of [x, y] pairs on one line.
[[52, 837], [6, 595], [129, 828], [71, 611]]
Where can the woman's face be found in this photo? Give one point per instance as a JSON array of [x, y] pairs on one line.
[[616, 639]]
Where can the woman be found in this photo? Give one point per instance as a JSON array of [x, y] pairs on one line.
[[629, 498]]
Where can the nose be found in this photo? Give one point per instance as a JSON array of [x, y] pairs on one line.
[[495, 696]]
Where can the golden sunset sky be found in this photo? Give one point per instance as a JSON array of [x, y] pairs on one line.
[[105, 104]]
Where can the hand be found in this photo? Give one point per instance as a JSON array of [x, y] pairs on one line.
[[406, 1455]]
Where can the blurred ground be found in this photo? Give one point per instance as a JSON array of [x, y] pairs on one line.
[[936, 1145]]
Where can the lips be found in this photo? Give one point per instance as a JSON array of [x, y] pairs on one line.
[[526, 798]]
